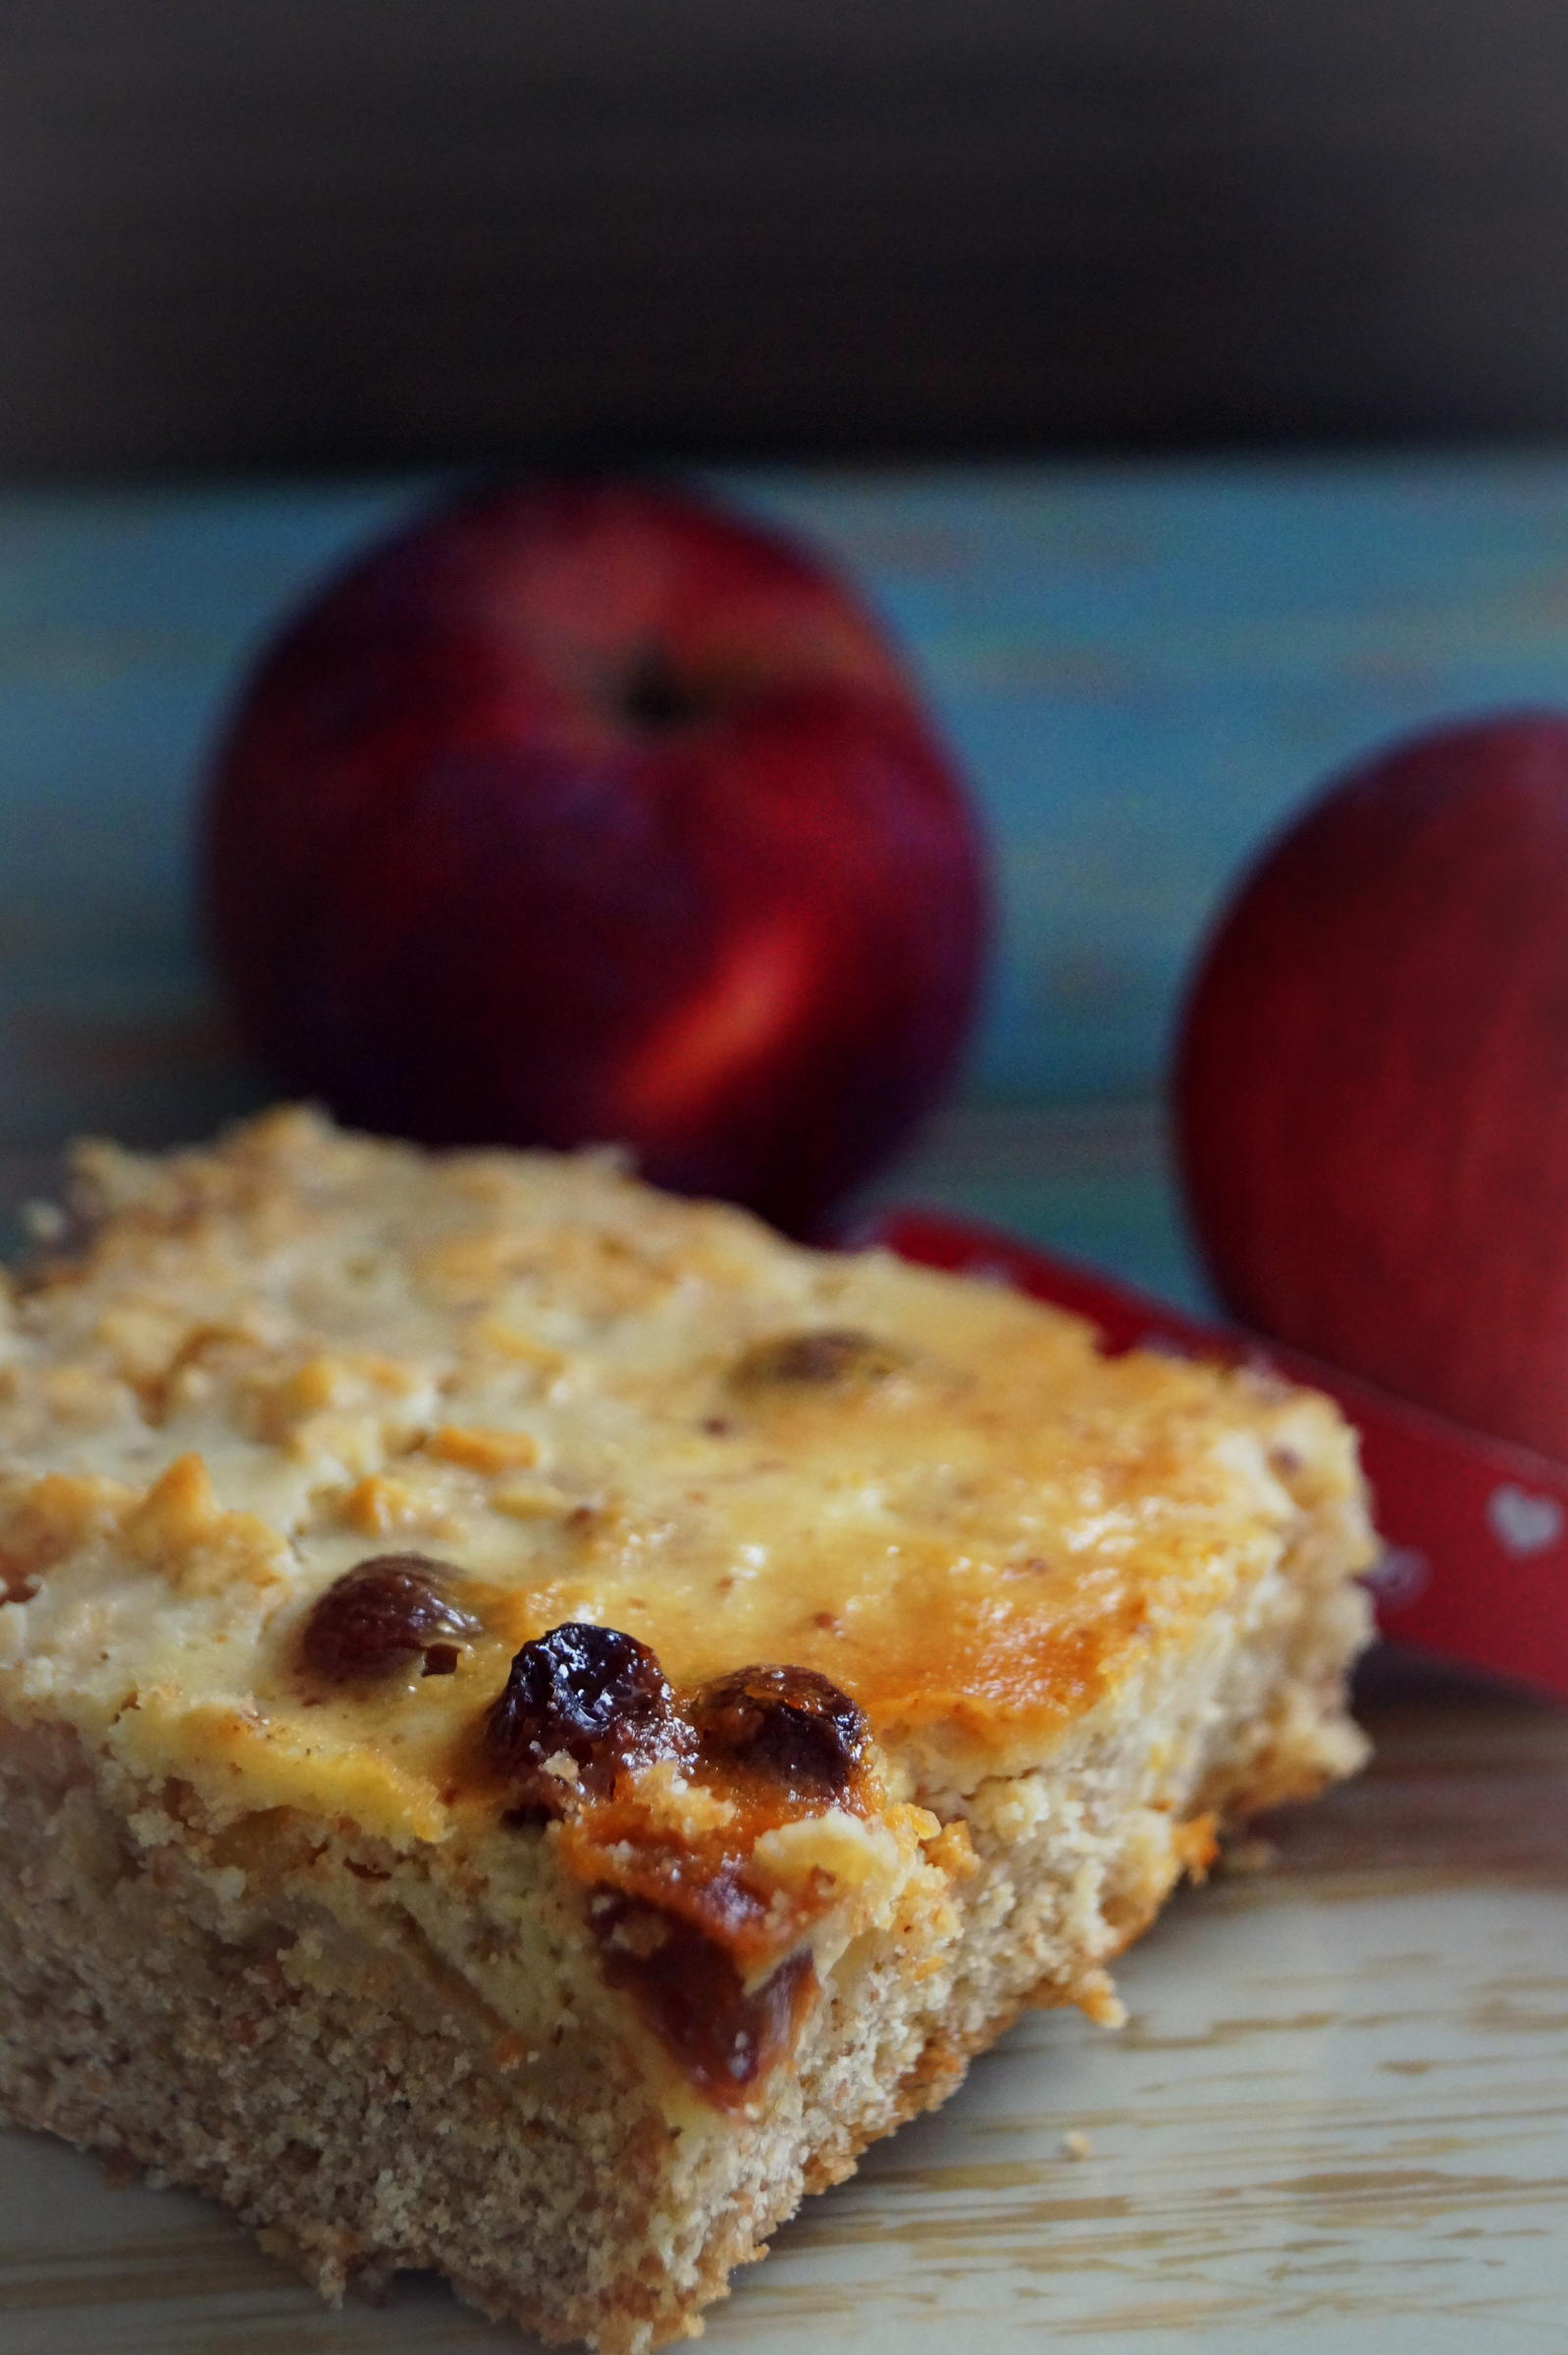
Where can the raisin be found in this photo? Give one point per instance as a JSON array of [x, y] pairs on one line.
[[592, 1692], [791, 1723], [381, 1616], [833, 1356], [693, 1996]]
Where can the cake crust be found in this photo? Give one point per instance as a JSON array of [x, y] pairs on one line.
[[919, 1648]]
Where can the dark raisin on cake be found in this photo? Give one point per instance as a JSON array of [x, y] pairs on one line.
[[580, 1697], [792, 1724], [381, 1616]]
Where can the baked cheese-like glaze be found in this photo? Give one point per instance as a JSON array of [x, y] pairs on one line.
[[260, 1364]]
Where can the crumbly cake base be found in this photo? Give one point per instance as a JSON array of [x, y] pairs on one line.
[[368, 2122]]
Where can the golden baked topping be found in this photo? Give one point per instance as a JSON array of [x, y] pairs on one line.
[[618, 1411], [382, 1615]]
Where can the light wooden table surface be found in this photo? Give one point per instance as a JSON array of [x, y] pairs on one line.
[[1338, 2118]]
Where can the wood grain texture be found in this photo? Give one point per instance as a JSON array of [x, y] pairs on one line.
[[1339, 2109], [380, 232]]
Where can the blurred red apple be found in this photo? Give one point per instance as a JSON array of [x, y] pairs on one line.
[[585, 811], [1373, 1081]]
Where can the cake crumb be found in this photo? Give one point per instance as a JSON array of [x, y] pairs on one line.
[[1076, 2145]]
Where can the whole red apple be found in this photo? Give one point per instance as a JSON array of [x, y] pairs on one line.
[[1373, 1080], [582, 810]]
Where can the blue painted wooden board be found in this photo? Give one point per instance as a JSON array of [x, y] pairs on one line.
[[1142, 668]]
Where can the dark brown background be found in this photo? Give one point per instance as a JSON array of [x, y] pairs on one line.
[[345, 231]]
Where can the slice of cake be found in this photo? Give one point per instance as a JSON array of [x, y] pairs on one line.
[[537, 1719]]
